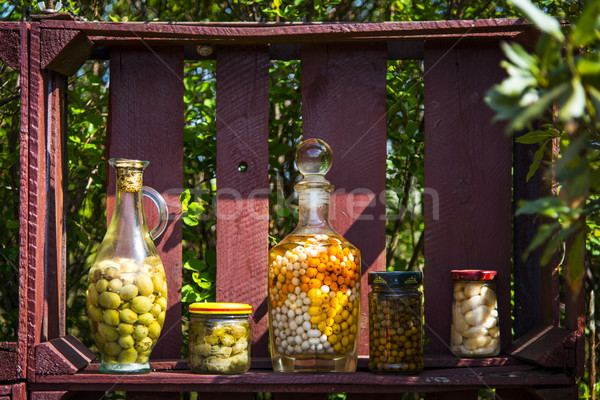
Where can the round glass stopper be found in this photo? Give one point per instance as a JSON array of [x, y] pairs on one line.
[[314, 157]]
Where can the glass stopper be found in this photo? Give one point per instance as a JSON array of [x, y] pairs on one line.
[[314, 157]]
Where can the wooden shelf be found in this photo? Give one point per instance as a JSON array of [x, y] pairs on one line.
[[442, 373], [429, 380]]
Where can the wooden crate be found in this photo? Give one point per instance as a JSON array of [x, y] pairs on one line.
[[469, 205]]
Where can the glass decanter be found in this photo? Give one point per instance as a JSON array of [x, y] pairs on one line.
[[127, 290], [314, 280]]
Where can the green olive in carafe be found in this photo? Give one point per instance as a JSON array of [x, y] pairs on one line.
[[314, 280], [126, 297]]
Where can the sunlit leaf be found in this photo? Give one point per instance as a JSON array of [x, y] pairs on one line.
[[543, 21]]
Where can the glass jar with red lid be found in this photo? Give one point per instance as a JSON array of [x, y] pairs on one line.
[[475, 330]]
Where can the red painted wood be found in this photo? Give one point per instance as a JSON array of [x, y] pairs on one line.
[[242, 207], [56, 253], [37, 202], [146, 122], [5, 389], [64, 51], [546, 345], [549, 279], [343, 103], [19, 391], [294, 32], [65, 355], [527, 274], [50, 361], [8, 362], [467, 181], [10, 45], [267, 381], [23, 334], [50, 395]]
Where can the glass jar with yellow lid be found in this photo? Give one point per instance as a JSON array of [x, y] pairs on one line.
[[219, 338]]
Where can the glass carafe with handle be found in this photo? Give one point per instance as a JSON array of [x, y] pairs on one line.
[[126, 297]]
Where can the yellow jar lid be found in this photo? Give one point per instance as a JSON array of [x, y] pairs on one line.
[[220, 308]]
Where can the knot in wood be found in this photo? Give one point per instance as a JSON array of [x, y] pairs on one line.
[[463, 191]]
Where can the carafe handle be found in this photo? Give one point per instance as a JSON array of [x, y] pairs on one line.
[[163, 211]]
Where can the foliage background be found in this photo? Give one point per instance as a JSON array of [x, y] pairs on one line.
[[88, 107]]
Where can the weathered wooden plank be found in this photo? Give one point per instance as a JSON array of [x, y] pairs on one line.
[[56, 253], [243, 196], [64, 51], [9, 361], [23, 334], [19, 391], [146, 122], [467, 179], [532, 393], [343, 103], [267, 381], [294, 32], [65, 355], [9, 46], [527, 274], [50, 395], [546, 345], [37, 201]]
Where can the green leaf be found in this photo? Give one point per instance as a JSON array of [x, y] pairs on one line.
[[537, 159], [518, 55], [551, 207], [543, 21], [555, 243], [189, 294], [536, 137], [537, 109], [586, 66], [189, 221], [574, 105], [575, 267], [194, 264], [587, 25], [211, 257]]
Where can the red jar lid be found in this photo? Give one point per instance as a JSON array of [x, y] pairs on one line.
[[473, 275]]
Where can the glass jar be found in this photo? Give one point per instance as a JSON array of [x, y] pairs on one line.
[[126, 298], [314, 280], [219, 338], [395, 322], [475, 327]]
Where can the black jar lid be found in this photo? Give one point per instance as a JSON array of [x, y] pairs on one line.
[[395, 278]]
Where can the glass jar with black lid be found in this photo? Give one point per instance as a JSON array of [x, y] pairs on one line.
[[395, 322]]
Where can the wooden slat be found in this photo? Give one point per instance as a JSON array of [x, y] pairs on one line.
[[467, 181], [266, 381], [56, 253], [527, 274], [294, 32], [23, 333], [9, 370], [146, 122], [37, 206], [19, 391], [243, 197], [64, 51], [10, 45], [343, 103]]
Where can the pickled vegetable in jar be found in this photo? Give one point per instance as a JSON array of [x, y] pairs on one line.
[[314, 280], [126, 298], [475, 330], [395, 322], [219, 338]]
